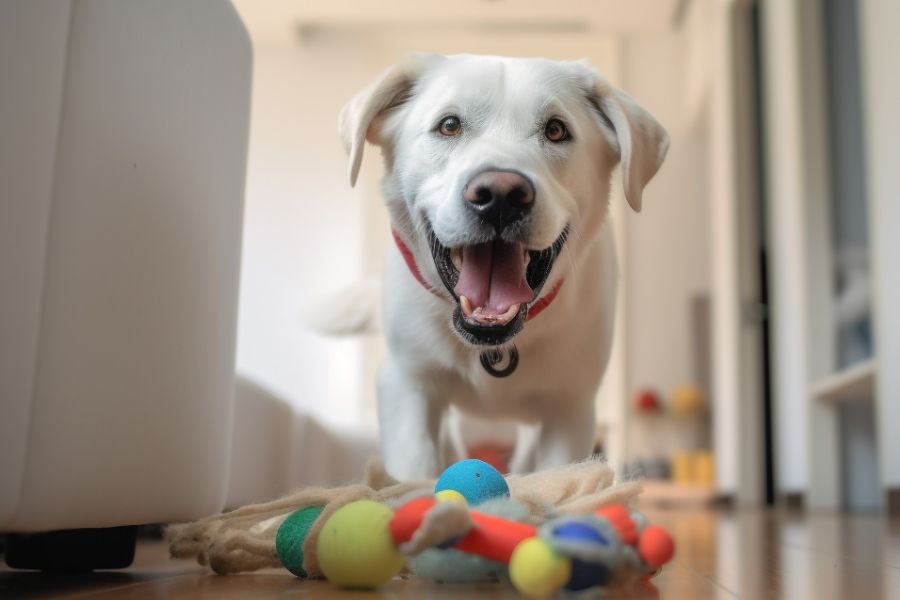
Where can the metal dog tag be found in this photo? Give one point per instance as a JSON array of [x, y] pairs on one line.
[[491, 358]]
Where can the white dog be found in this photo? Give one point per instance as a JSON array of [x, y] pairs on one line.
[[500, 292]]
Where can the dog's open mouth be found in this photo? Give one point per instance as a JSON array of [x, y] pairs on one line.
[[494, 284]]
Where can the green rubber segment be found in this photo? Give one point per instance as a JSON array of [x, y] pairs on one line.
[[291, 535]]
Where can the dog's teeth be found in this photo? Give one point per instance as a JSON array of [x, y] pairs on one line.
[[465, 305], [456, 257], [527, 258], [479, 315], [509, 314], [503, 319]]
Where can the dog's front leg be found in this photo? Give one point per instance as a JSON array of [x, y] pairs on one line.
[[565, 438], [409, 418]]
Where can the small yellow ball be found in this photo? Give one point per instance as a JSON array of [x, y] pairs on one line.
[[687, 400], [450, 496], [537, 570], [355, 547]]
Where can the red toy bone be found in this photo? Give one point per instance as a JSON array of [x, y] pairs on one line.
[[493, 538]]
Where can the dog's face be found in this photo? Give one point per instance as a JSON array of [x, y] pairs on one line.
[[496, 166]]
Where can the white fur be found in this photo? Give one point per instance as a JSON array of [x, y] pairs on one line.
[[503, 104]]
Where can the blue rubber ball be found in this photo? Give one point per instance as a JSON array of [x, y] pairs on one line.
[[584, 539], [586, 575], [476, 480], [574, 531]]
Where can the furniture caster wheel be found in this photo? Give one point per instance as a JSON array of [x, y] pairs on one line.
[[72, 550]]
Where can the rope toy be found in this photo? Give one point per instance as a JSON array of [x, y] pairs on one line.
[[307, 531], [363, 544]]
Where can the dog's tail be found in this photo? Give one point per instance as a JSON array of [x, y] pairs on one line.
[[353, 310]]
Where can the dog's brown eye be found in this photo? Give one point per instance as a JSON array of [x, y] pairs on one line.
[[556, 131], [450, 126]]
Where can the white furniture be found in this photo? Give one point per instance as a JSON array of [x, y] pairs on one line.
[[122, 159], [881, 95], [276, 449]]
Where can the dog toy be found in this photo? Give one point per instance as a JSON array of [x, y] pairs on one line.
[[355, 548], [536, 569], [474, 480], [647, 401], [445, 564], [493, 538], [363, 544], [284, 532], [572, 552], [291, 535], [687, 400]]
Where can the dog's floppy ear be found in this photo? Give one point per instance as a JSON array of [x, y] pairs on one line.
[[389, 90], [642, 141]]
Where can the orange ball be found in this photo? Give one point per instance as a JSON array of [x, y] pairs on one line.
[[656, 547]]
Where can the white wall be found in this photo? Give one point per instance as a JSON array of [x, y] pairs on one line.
[[302, 225], [668, 249], [667, 254]]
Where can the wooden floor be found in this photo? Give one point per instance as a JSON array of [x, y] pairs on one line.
[[731, 554]]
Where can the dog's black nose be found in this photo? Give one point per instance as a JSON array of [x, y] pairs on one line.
[[499, 197]]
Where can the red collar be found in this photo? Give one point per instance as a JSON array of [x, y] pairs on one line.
[[534, 310]]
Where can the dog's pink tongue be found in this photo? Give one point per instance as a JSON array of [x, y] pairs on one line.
[[493, 276]]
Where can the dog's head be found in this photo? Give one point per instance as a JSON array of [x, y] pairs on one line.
[[496, 166]]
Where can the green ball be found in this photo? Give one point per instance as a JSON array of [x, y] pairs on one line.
[[291, 536], [355, 546]]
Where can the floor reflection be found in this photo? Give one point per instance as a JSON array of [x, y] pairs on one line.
[[775, 554], [721, 554]]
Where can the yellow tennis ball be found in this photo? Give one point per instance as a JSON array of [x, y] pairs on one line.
[[537, 570], [450, 496], [355, 547]]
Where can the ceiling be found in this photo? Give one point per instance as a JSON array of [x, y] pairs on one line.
[[283, 20]]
